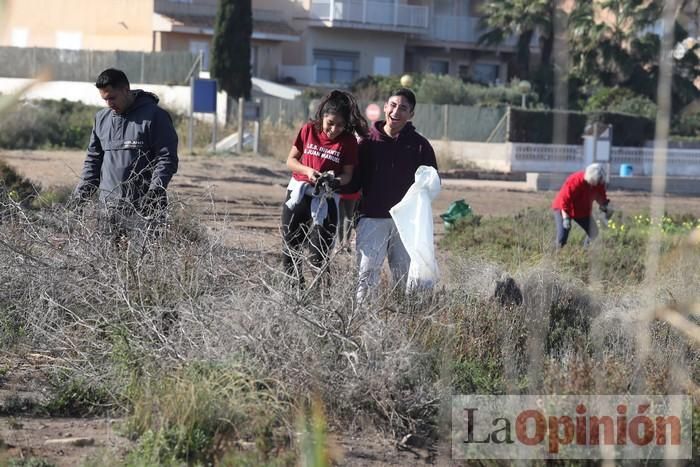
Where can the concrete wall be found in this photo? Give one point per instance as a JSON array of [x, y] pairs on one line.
[[175, 98], [686, 186], [84, 24], [488, 156]]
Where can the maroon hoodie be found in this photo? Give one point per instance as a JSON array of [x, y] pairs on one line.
[[388, 166]]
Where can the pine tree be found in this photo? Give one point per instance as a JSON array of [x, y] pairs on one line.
[[230, 62]]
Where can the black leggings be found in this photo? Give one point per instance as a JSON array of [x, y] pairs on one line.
[[297, 228]]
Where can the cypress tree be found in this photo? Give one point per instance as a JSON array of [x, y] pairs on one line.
[[230, 61]]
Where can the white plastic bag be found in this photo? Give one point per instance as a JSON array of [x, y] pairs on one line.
[[413, 217]]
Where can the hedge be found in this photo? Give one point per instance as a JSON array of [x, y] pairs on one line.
[[537, 126]]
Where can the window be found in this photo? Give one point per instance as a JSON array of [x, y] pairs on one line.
[[382, 66], [69, 40], [486, 73], [464, 73], [439, 67], [201, 46], [20, 37], [335, 67]]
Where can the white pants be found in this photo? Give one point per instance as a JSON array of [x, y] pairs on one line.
[[376, 239]]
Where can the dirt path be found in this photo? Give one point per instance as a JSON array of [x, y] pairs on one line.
[[63, 441], [245, 193]]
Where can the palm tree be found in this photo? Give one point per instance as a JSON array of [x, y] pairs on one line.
[[522, 18], [615, 50], [624, 50]]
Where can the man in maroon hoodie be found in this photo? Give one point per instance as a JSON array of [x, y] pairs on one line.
[[388, 160]]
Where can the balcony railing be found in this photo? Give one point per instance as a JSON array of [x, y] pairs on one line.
[[196, 8], [466, 29], [208, 8], [455, 28], [371, 14]]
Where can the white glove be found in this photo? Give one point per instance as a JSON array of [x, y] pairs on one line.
[[565, 221]]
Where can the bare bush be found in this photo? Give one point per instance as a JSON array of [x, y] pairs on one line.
[[106, 304], [118, 309]]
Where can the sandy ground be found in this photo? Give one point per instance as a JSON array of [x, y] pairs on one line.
[[246, 192], [238, 197]]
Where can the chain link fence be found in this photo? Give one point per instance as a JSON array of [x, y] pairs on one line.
[[449, 122], [85, 65]]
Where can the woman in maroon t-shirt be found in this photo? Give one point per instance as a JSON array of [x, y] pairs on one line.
[[326, 143]]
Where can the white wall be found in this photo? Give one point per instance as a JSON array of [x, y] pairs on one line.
[[562, 159], [176, 98], [488, 156]]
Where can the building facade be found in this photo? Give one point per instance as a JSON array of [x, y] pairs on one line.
[[140, 25], [326, 42], [342, 40]]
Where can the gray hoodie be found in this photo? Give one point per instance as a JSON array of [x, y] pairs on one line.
[[130, 153]]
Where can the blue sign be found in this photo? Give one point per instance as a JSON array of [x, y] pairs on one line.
[[204, 95]]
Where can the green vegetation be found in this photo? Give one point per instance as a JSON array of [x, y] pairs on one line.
[[206, 411], [687, 125], [620, 100], [526, 239], [620, 51], [439, 89], [537, 126], [30, 462], [47, 124], [15, 187], [77, 398]]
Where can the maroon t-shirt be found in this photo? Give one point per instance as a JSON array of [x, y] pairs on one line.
[[323, 154]]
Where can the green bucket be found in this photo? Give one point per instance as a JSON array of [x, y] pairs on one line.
[[457, 210]]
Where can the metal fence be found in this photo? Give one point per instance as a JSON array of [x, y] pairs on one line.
[[528, 157], [457, 122], [449, 122], [85, 65]]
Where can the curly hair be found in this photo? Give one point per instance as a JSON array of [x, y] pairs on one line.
[[343, 104]]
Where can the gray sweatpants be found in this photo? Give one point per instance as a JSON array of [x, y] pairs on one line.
[[376, 239]]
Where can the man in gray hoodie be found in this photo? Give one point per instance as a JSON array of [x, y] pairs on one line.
[[132, 154]]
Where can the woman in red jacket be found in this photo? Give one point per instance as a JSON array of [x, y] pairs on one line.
[[575, 201]]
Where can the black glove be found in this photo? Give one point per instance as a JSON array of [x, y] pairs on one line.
[[333, 184], [326, 183], [607, 210], [155, 201]]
